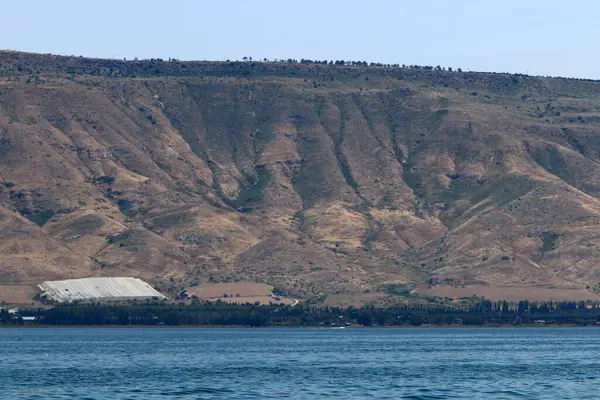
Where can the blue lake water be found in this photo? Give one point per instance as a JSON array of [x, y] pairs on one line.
[[511, 363]]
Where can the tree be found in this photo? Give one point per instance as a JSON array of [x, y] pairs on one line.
[[523, 306]]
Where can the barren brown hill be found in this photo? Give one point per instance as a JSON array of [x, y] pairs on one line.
[[340, 184]]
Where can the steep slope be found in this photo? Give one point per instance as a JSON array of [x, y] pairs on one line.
[[340, 183]]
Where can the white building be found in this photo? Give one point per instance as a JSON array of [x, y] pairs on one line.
[[99, 289]]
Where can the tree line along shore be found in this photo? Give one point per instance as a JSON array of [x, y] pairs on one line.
[[483, 313]]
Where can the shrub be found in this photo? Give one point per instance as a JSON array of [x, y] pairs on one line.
[[41, 218], [104, 179], [124, 204]]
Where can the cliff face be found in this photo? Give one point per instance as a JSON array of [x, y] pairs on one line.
[[323, 181]]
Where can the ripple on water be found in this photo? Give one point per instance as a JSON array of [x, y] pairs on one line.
[[299, 363]]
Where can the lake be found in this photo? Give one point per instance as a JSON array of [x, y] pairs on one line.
[[419, 363]]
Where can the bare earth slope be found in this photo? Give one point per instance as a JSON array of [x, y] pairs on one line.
[[349, 183]]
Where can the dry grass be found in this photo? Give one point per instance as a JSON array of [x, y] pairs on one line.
[[232, 290], [334, 225], [16, 294], [512, 293], [239, 292], [354, 300]]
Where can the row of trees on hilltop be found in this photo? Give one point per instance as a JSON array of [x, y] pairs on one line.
[[330, 62], [356, 64]]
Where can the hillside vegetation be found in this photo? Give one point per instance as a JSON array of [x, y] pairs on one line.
[[340, 184]]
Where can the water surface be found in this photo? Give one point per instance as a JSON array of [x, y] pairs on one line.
[[544, 363]]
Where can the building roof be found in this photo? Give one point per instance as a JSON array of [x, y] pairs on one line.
[[98, 289]]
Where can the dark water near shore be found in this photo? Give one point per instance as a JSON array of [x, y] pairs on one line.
[[111, 364]]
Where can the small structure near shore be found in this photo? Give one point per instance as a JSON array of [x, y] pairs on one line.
[[99, 289]]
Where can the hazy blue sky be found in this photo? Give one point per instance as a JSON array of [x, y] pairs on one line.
[[538, 37]]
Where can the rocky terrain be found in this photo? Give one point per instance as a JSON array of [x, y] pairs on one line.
[[336, 184]]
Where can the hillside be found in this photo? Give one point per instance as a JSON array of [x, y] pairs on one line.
[[339, 184]]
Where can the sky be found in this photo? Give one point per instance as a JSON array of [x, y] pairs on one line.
[[551, 37]]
